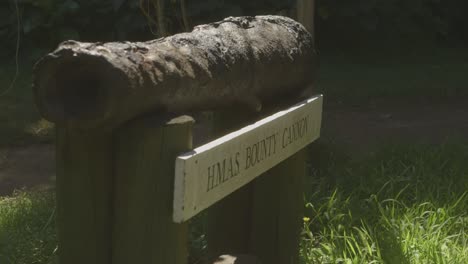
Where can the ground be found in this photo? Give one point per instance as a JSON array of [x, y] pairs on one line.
[[26, 166], [356, 129]]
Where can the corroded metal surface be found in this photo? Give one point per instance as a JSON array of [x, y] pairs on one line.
[[240, 61]]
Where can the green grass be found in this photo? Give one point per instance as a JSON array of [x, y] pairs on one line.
[[27, 228], [403, 205]]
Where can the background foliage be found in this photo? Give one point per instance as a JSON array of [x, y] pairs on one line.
[[392, 21], [358, 23], [44, 23]]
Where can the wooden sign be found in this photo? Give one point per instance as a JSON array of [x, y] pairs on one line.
[[213, 171]]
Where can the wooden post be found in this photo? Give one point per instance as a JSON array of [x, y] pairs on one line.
[[84, 196], [143, 230], [277, 210], [262, 218], [114, 193], [228, 221]]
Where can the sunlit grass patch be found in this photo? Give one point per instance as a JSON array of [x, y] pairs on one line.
[[404, 205], [40, 129], [27, 228]]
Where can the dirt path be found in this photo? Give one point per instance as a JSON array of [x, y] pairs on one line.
[[26, 167], [356, 129], [364, 129]]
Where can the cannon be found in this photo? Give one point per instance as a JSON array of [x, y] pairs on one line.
[[120, 110], [239, 61]]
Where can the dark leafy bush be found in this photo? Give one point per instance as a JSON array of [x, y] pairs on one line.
[[392, 21], [44, 23]]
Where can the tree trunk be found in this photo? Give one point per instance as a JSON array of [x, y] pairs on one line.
[[305, 14]]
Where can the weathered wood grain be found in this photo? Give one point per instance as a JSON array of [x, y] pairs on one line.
[[212, 171], [277, 211], [84, 196], [143, 230], [234, 210], [264, 217]]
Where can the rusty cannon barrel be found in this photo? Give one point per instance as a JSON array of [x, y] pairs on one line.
[[245, 61]]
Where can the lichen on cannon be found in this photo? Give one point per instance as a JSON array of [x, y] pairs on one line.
[[239, 61]]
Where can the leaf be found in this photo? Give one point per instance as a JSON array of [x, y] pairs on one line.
[[67, 34], [6, 20], [32, 22], [367, 5], [4, 32], [323, 13], [369, 22], [117, 4], [70, 5], [44, 4]]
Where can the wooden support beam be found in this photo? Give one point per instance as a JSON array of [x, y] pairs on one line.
[[228, 221], [84, 196], [263, 218], [143, 230], [277, 211]]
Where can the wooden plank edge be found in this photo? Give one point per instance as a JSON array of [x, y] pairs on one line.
[[179, 214]]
